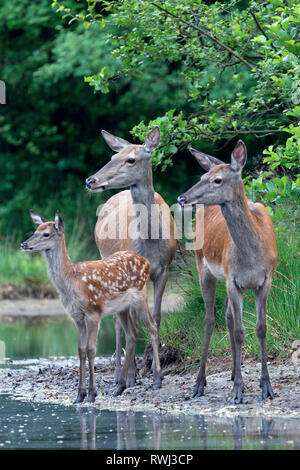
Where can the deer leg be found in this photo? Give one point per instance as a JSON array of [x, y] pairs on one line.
[[208, 288], [93, 326], [235, 298], [159, 288], [131, 335], [153, 334], [230, 325], [82, 341], [261, 296], [133, 371]]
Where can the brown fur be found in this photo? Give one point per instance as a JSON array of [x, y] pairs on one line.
[[217, 241], [100, 281], [122, 202]]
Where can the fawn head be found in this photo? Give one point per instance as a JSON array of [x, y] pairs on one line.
[[218, 185], [128, 166], [47, 234]]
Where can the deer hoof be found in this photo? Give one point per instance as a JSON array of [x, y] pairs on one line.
[[119, 390], [266, 390], [199, 390], [91, 397], [80, 397], [237, 395], [157, 383]]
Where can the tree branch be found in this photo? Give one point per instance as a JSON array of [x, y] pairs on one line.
[[213, 38], [209, 35], [258, 25]]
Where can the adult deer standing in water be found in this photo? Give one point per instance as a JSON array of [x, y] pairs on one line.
[[131, 166], [239, 247], [92, 290]]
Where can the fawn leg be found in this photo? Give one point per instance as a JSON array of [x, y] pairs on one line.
[[261, 296], [93, 326], [208, 289], [132, 371], [118, 330], [82, 341]]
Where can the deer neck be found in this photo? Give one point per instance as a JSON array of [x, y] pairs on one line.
[[59, 265], [246, 241], [143, 191], [143, 194]]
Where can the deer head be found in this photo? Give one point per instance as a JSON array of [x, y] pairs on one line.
[[47, 234], [128, 166], [219, 184]]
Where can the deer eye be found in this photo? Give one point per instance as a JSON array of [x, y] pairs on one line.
[[130, 160], [46, 234], [218, 180]]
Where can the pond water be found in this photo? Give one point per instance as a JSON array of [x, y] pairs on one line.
[[56, 336], [25, 425]]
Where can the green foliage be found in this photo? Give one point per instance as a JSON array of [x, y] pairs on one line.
[[239, 64], [204, 72], [50, 127], [254, 47]]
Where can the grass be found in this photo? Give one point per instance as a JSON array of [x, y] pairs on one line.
[[184, 329], [30, 268]]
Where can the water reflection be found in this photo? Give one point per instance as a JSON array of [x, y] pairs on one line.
[[253, 432], [26, 425], [87, 422]]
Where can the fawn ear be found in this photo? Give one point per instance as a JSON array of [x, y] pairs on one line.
[[239, 156], [115, 143], [59, 225], [152, 140], [37, 219], [207, 162]]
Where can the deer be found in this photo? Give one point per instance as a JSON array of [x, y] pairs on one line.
[[90, 291], [239, 248], [131, 166]]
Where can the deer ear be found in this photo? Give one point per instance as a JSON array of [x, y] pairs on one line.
[[207, 162], [59, 225], [115, 143], [239, 156], [152, 140], [37, 219]]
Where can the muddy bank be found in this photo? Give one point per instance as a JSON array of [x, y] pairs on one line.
[[55, 381], [12, 291]]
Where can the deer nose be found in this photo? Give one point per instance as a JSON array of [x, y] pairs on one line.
[[90, 181], [181, 200], [23, 246]]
